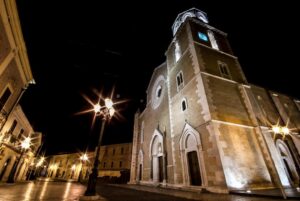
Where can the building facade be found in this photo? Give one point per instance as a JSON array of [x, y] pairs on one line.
[[114, 161], [15, 76], [69, 166], [15, 130], [15, 72], [206, 127]]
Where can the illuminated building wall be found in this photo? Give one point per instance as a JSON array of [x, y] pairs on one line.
[[15, 76], [68, 166], [115, 160], [15, 72], [15, 130], [202, 124]]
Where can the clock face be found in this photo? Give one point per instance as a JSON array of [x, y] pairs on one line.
[[157, 93], [202, 36]]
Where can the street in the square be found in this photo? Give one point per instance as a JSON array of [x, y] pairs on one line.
[[72, 191]]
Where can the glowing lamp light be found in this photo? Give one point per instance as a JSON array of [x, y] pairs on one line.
[[108, 103], [26, 143], [276, 129], [52, 167], [73, 167], [97, 108], [84, 157], [285, 130], [111, 111], [40, 162]]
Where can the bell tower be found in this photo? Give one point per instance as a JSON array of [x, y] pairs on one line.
[[208, 92]]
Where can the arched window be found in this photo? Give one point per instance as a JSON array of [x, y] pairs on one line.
[[183, 105], [212, 39], [177, 52], [158, 91], [179, 80], [224, 71]]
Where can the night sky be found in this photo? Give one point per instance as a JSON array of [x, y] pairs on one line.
[[79, 47]]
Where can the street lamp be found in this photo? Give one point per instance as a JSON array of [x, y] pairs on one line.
[[25, 144], [39, 166], [83, 158], [105, 112], [281, 130]]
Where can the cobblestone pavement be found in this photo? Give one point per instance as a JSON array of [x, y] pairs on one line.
[[67, 191]]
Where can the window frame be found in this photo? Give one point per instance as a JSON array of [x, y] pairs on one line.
[[212, 39], [186, 105], [223, 66], [179, 80], [13, 126]]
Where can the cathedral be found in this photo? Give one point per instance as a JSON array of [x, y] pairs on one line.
[[205, 127]]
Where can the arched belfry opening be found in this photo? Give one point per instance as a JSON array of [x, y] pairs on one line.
[[191, 156], [158, 158], [288, 162]]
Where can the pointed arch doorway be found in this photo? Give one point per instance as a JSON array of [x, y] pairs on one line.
[[288, 162], [191, 158], [157, 157]]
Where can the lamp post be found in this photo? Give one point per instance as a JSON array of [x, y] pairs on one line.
[[83, 159], [25, 144], [105, 112]]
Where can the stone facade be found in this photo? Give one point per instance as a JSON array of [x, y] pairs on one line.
[[205, 126], [115, 160], [69, 166], [15, 72], [16, 129], [15, 76]]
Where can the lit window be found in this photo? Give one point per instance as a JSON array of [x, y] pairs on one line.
[[202, 36], [224, 70], [4, 97], [212, 39], [177, 51], [179, 79], [183, 105]]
